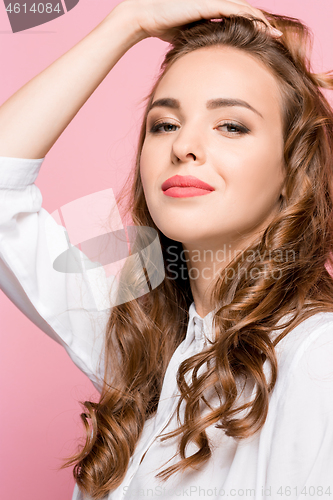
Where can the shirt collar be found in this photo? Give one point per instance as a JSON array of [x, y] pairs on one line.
[[198, 327]]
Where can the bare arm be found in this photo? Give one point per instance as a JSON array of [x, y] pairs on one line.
[[33, 118]]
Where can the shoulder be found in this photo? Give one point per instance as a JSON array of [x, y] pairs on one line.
[[305, 355], [316, 356], [298, 433], [314, 330]]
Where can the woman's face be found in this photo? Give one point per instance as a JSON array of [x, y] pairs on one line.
[[242, 161]]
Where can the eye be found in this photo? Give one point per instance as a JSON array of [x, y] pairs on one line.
[[165, 126], [234, 127]]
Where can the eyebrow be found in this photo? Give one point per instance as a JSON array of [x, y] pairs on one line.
[[169, 102]]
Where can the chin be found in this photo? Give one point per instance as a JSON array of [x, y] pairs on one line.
[[176, 232]]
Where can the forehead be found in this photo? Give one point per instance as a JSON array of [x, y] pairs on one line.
[[215, 72]]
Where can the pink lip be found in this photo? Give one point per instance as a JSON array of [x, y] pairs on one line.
[[185, 184]]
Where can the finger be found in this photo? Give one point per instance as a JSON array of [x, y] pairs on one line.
[[246, 8], [258, 13]]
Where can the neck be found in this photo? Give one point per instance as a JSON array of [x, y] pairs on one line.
[[204, 265]]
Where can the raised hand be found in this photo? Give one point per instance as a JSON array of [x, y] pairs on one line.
[[158, 18]]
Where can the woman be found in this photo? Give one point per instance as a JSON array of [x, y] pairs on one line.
[[217, 382]]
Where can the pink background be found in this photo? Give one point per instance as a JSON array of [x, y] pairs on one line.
[[40, 386]]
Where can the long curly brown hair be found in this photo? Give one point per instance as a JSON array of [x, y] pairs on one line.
[[143, 333]]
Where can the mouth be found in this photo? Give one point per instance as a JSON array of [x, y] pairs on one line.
[[185, 186]]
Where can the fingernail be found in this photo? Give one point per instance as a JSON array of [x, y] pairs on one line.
[[276, 32]]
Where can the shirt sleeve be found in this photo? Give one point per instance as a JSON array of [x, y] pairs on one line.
[[300, 454], [61, 304]]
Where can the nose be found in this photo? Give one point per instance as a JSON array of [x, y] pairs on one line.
[[188, 146]]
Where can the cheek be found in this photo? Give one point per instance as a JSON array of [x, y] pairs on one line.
[[147, 159], [261, 168], [144, 169], [144, 180], [151, 167], [148, 178], [255, 180]]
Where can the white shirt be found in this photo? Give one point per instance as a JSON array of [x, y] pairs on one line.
[[291, 456]]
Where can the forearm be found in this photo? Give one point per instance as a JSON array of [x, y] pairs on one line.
[[33, 118]]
